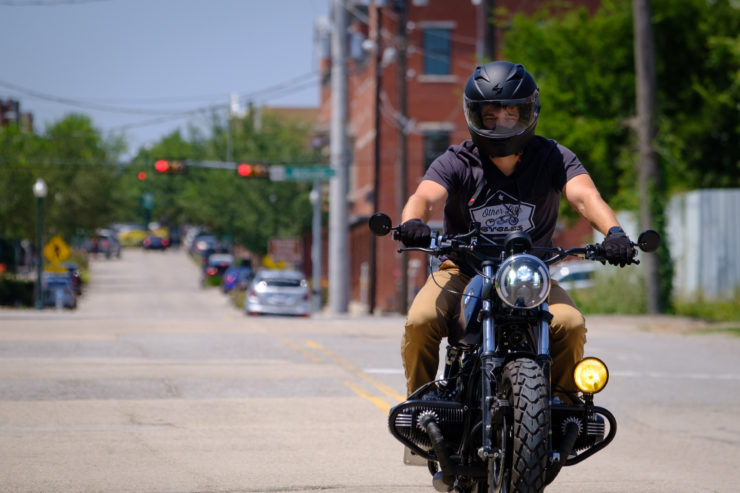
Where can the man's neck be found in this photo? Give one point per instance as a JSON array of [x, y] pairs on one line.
[[506, 164]]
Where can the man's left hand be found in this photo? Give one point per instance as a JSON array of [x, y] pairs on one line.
[[618, 248]]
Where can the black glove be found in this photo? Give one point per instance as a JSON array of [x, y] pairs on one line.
[[414, 233], [618, 248]]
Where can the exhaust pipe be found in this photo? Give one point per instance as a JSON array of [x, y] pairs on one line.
[[443, 480], [571, 434]]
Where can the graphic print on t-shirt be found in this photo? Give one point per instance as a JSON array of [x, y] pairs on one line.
[[503, 214]]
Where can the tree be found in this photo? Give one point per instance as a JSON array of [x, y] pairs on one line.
[[584, 67], [247, 210], [78, 167]]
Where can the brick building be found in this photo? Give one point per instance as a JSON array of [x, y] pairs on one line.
[[445, 39], [10, 112]]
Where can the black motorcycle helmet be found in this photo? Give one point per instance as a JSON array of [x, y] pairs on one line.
[[504, 85]]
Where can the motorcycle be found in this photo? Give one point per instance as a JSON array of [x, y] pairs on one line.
[[491, 423]]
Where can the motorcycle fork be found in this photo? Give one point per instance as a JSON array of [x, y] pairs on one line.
[[489, 362], [543, 345], [545, 360]]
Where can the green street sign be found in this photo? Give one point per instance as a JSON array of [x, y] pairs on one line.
[[147, 201], [300, 173]]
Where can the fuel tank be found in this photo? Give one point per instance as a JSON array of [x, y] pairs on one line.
[[468, 329]]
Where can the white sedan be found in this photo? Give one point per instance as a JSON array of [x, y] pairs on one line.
[[278, 292]]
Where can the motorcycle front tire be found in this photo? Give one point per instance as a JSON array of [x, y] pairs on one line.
[[525, 387]]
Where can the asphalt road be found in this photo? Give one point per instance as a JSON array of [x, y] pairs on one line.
[[157, 385]]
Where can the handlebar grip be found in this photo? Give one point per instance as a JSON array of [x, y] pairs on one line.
[[596, 252]]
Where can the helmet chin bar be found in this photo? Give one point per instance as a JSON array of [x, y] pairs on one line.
[[502, 147]]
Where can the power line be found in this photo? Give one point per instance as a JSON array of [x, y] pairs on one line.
[[306, 80], [142, 111], [44, 3], [76, 103]]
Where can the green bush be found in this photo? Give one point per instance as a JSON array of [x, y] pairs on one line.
[[622, 291], [237, 298], [213, 280], [720, 310], [16, 292], [615, 291]]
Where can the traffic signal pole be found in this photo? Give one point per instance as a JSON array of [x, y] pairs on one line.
[[402, 162], [649, 173], [338, 225]]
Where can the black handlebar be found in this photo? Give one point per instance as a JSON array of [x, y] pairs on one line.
[[380, 224]]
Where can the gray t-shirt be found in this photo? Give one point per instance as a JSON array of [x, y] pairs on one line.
[[527, 200]]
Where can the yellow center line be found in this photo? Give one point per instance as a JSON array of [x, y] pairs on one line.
[[307, 354], [377, 401], [383, 388]]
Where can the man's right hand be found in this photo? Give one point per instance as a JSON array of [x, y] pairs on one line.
[[414, 233]]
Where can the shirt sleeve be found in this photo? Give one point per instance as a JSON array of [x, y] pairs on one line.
[[572, 167], [442, 170]]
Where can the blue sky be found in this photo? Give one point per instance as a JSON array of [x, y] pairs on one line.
[[128, 63]]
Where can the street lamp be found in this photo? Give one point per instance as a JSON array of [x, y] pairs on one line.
[[39, 191]]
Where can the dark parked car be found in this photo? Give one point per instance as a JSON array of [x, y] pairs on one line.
[[236, 277], [278, 292], [58, 291], [214, 268], [75, 277], [204, 244], [154, 242]]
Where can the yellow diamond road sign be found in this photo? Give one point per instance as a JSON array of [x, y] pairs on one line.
[[56, 250]]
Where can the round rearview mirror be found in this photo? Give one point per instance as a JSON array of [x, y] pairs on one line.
[[380, 224], [648, 241]]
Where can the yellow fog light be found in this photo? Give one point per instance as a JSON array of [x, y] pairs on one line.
[[591, 375]]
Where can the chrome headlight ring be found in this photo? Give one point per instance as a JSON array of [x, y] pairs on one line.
[[523, 281]]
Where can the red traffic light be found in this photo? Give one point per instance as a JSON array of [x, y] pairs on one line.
[[170, 167], [252, 170], [244, 169]]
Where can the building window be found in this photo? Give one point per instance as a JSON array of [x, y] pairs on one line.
[[435, 143], [437, 51]]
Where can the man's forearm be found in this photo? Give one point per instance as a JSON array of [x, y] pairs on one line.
[[416, 208], [599, 214]]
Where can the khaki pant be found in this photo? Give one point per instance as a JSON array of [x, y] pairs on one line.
[[433, 310]]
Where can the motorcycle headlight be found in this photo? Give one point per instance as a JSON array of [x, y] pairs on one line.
[[523, 281], [591, 375]]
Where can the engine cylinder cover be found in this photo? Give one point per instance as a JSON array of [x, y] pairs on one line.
[[404, 422]]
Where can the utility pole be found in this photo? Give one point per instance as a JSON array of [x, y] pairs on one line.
[[338, 227], [316, 244], [486, 45], [401, 164], [373, 267], [649, 177]]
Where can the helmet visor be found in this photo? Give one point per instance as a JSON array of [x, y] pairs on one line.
[[501, 118]]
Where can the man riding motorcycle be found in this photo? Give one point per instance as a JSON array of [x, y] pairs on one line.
[[507, 179]]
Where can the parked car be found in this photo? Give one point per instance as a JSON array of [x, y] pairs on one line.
[[57, 290], [130, 235], [204, 243], [75, 277], [236, 277], [278, 292], [105, 242], [215, 266], [574, 274], [154, 242]]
